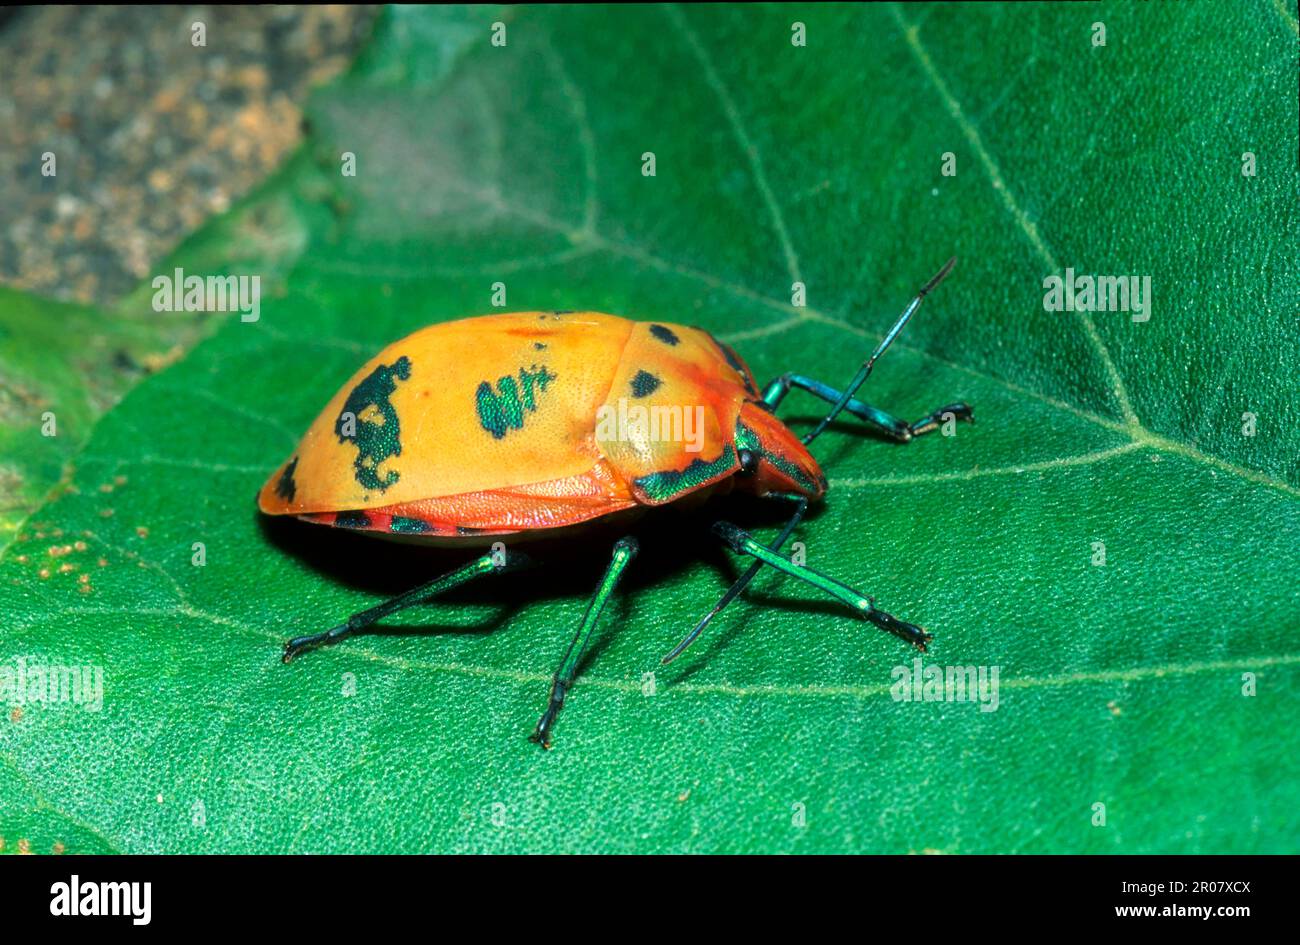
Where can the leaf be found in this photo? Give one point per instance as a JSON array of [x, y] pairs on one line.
[[1120, 685], [64, 356], [65, 364]]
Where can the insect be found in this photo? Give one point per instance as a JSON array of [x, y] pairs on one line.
[[491, 430]]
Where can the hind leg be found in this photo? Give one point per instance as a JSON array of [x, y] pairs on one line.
[[480, 567]]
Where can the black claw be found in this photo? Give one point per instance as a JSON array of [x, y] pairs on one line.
[[295, 646], [917, 636], [962, 411], [542, 734], [302, 644]]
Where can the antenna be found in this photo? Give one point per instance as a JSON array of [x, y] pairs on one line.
[[860, 378]]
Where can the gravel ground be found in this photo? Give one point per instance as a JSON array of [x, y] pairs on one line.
[[150, 133]]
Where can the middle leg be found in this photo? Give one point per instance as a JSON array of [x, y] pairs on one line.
[[625, 550]]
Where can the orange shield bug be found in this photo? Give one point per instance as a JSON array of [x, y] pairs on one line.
[[503, 427]]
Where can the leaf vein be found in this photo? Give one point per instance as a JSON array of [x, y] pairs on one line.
[[751, 152], [1009, 202]]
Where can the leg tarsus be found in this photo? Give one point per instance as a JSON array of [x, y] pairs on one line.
[[931, 421], [311, 641], [917, 636], [542, 734]]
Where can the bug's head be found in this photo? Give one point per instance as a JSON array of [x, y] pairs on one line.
[[772, 458]]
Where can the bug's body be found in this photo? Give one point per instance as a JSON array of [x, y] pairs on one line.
[[504, 427], [510, 424]]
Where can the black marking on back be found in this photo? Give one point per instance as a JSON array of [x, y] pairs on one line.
[[376, 442], [668, 484], [664, 334], [506, 407], [539, 346], [645, 384], [286, 487]]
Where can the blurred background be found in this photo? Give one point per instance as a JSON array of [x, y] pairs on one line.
[[150, 139]]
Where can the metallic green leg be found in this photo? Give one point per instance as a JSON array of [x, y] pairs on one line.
[[801, 506], [900, 430], [743, 543], [488, 564], [625, 550]]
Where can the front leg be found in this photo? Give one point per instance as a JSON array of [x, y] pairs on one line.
[[899, 430], [742, 542]]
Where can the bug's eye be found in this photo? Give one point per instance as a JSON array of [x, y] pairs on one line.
[[748, 462]]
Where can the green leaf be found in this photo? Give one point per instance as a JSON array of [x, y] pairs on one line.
[[63, 365], [1120, 684]]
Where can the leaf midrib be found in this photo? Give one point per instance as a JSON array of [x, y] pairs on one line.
[[636, 686]]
